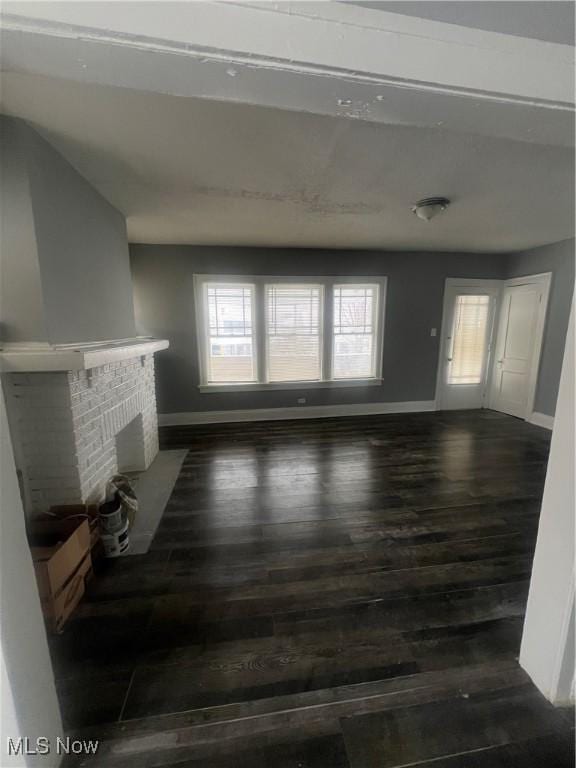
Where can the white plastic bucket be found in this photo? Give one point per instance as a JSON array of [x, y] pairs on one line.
[[113, 523], [117, 543]]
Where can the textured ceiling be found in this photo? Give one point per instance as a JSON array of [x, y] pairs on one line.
[[532, 19], [194, 171]]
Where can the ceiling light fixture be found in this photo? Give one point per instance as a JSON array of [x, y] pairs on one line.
[[429, 207]]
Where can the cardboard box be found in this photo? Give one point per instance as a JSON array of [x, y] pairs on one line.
[[79, 512], [62, 562]]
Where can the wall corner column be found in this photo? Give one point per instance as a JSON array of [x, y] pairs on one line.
[[547, 652]]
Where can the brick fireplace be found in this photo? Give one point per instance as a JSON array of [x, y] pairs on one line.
[[74, 428]]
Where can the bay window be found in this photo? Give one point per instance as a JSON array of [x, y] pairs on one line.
[[284, 332]]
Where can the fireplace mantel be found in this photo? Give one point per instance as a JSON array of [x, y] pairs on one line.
[[36, 357]]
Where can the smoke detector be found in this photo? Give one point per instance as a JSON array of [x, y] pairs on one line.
[[429, 207]]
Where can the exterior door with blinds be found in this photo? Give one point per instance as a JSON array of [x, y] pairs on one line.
[[469, 309]]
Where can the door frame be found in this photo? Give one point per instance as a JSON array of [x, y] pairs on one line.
[[466, 283], [544, 279]]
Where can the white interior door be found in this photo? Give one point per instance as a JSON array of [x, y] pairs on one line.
[[467, 327], [518, 343]]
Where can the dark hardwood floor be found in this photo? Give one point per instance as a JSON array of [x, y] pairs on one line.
[[321, 594]]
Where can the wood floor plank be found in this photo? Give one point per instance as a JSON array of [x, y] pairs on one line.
[[309, 573], [412, 735], [161, 741], [552, 751], [318, 752], [192, 677], [411, 614]]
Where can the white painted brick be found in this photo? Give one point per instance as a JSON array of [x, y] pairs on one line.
[[67, 424]]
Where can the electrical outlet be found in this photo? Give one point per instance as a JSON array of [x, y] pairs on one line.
[[432, 331], [301, 401]]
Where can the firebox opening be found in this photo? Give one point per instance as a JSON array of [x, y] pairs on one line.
[[130, 446]]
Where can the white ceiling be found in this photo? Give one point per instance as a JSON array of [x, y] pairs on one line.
[[306, 124], [551, 20], [188, 170]]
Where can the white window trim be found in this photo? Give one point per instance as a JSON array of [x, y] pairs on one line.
[[200, 299], [326, 336], [377, 320]]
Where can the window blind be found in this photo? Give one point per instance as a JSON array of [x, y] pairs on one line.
[[293, 323], [230, 353], [469, 337], [355, 312]]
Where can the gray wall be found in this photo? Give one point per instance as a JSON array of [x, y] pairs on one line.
[[557, 258], [20, 285], [66, 249], [164, 305]]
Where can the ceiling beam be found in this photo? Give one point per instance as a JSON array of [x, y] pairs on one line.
[[323, 58]]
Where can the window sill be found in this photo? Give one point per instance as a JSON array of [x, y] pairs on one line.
[[256, 387]]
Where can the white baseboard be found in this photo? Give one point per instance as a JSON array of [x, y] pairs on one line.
[[296, 412], [542, 420]]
